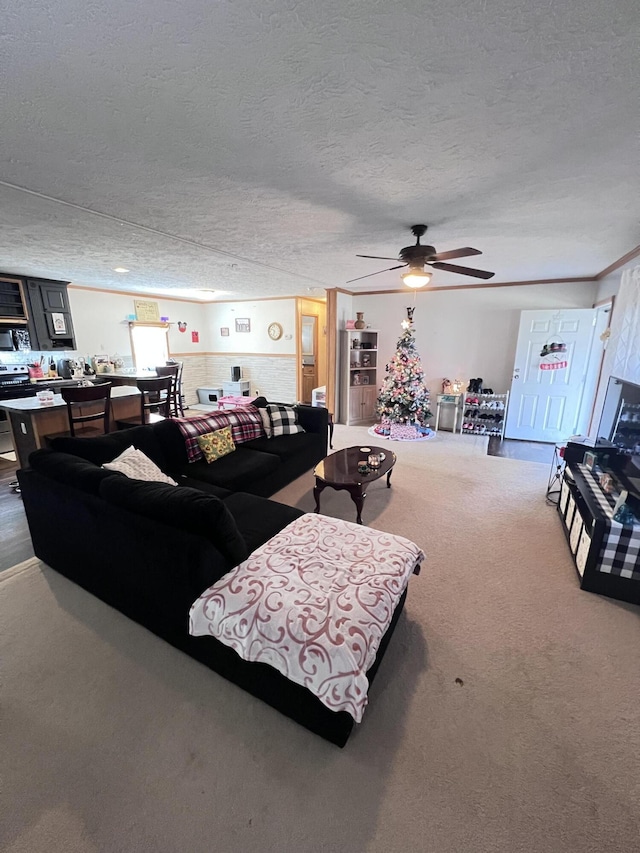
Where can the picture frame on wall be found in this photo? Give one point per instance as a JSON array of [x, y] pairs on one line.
[[59, 325], [243, 324], [224, 331]]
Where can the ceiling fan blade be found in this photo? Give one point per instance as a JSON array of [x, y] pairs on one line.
[[376, 257], [461, 270], [376, 273], [456, 253]]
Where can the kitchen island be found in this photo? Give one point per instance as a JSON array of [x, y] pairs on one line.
[[31, 421]]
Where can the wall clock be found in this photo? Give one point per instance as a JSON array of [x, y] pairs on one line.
[[275, 331]]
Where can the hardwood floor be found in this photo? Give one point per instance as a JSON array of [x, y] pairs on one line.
[[16, 541], [528, 451]]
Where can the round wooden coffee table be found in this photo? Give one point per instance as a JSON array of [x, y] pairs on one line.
[[340, 471]]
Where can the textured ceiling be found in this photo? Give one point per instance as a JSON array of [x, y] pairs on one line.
[[254, 148]]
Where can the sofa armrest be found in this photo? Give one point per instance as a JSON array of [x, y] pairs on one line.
[[313, 419]]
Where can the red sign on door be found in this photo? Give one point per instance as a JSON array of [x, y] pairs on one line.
[[554, 365], [195, 337]]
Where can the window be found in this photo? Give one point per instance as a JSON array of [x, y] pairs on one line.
[[150, 345]]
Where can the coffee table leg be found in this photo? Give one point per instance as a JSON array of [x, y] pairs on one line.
[[389, 478], [317, 490], [358, 497]]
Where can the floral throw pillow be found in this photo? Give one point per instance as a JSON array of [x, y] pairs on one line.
[[216, 444], [135, 465]]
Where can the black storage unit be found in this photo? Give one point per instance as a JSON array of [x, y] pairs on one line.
[[604, 552]]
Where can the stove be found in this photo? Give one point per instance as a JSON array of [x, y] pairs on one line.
[[15, 382]]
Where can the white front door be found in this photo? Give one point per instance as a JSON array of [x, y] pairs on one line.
[[551, 364]]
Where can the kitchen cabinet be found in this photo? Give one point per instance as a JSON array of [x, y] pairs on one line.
[[13, 305], [50, 324], [308, 382]]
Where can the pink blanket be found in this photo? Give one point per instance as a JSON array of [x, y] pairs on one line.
[[313, 602]]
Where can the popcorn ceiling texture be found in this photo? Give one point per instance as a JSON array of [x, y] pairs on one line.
[[276, 140]]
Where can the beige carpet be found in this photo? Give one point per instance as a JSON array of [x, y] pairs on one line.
[[505, 716]]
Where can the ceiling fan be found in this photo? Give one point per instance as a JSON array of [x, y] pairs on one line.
[[418, 256]]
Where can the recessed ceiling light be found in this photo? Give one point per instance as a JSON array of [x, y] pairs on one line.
[[120, 269]]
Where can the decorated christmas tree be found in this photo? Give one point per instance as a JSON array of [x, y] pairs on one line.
[[403, 398]]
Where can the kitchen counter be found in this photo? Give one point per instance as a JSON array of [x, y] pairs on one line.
[[31, 421], [32, 404], [123, 378]]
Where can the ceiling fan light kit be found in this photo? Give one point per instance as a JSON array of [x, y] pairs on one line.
[[416, 278], [416, 257]]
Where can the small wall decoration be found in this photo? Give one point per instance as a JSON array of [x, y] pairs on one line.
[[146, 311], [275, 331], [195, 337], [59, 325], [224, 331], [182, 327], [243, 324], [551, 356]]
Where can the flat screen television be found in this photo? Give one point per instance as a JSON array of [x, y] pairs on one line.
[[618, 437]]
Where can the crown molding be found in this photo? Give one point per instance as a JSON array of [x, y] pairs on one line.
[[634, 253]]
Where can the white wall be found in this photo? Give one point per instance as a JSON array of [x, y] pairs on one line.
[[100, 321], [462, 334], [261, 314], [622, 357]]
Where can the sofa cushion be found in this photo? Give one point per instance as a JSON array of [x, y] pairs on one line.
[[134, 464], [234, 471], [207, 488], [285, 446], [105, 448], [188, 509], [70, 470], [215, 445], [259, 518]]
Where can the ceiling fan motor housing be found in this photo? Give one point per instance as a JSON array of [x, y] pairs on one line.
[[417, 254]]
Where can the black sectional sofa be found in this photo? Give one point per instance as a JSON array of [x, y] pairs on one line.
[[150, 549]]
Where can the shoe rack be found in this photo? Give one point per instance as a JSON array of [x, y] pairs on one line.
[[484, 414]]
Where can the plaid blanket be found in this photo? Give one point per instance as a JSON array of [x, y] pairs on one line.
[[245, 423]]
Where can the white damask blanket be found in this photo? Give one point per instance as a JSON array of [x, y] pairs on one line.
[[313, 602]]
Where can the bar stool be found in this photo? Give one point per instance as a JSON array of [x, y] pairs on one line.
[[86, 404], [154, 397], [175, 403]]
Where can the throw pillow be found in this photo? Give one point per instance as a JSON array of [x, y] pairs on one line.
[[216, 444], [135, 465], [191, 428], [284, 420], [266, 420]]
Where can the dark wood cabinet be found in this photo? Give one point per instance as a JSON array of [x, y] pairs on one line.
[[13, 305], [50, 324]]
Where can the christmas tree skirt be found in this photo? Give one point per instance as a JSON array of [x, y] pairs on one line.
[[419, 435]]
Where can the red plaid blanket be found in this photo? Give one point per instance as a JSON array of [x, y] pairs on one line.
[[245, 423]]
